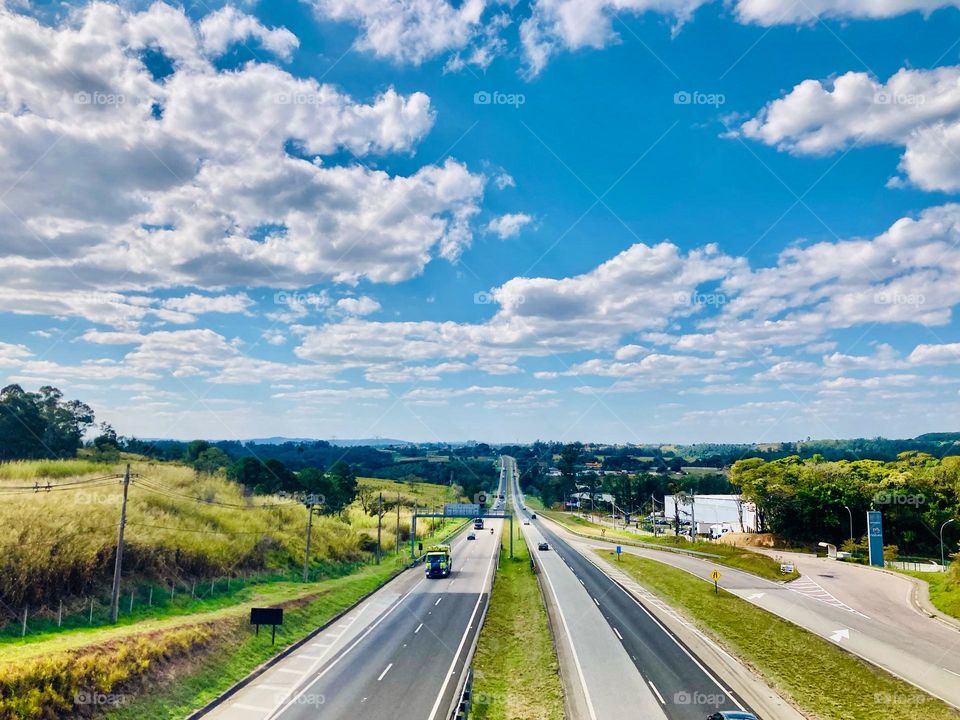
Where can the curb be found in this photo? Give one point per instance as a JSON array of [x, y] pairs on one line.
[[920, 599]]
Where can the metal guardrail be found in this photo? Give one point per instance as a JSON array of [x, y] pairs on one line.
[[464, 704]]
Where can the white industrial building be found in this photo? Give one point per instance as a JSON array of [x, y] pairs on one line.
[[708, 510]]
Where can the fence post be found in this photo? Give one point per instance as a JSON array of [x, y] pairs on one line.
[[193, 590], [60, 615], [172, 587], [23, 631], [212, 585], [91, 611], [150, 601], [131, 601]]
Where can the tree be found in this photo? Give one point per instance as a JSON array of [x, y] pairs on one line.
[[210, 460], [41, 424], [344, 481], [106, 445]]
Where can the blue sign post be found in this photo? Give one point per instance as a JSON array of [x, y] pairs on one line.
[[875, 537], [618, 552]]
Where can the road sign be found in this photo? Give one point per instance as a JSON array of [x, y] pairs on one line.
[[461, 509], [267, 616], [875, 537], [715, 575], [619, 550], [786, 568]]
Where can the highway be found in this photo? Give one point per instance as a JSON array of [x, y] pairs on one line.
[[865, 611], [399, 654], [627, 663]]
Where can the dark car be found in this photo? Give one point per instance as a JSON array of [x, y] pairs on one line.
[[543, 546], [732, 715]]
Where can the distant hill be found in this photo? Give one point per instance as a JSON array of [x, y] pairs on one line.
[[340, 442]]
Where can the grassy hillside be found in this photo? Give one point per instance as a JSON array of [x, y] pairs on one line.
[[181, 527]]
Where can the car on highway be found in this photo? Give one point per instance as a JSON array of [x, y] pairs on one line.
[[526, 522], [472, 536], [533, 516], [543, 546], [732, 715]]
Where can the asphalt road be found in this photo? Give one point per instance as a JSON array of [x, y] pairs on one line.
[[398, 655], [630, 665], [865, 611]]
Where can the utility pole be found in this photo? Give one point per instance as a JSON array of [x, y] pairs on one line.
[[379, 524], [398, 523], [693, 516], [306, 556], [118, 564]]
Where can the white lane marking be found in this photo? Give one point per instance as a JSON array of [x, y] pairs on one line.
[[656, 692], [597, 602], [952, 672], [438, 601], [463, 640], [618, 633], [418, 628], [812, 589], [347, 651], [385, 671], [573, 649], [666, 632]]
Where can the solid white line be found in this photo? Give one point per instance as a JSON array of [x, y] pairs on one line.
[[952, 672], [438, 601], [597, 602], [618, 633], [656, 692], [385, 671], [418, 628], [573, 649], [463, 640], [356, 642]]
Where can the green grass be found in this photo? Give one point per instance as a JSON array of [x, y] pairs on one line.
[[729, 555], [944, 590], [516, 673], [823, 680], [242, 651]]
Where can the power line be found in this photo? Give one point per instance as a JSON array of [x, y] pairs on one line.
[[170, 492]]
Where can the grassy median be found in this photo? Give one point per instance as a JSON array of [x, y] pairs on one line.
[[944, 590], [516, 673], [820, 678]]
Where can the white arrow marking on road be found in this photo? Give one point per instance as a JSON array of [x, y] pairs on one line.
[[839, 635], [755, 596]]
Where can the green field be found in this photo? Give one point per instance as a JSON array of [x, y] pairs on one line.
[[826, 682], [516, 673]]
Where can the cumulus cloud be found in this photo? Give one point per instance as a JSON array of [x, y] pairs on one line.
[[362, 305], [918, 110], [509, 225], [783, 12], [123, 181]]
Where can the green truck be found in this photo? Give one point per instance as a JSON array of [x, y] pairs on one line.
[[438, 561]]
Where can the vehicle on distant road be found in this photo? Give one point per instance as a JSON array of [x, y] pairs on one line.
[[732, 715], [543, 546], [533, 516], [438, 561], [478, 524], [526, 522], [472, 536]]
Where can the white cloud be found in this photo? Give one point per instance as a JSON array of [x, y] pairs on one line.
[[362, 305], [509, 225], [918, 110], [228, 26], [195, 304], [123, 181], [782, 12], [333, 394], [408, 30], [936, 354]]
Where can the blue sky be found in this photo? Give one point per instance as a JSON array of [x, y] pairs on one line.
[[624, 222]]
